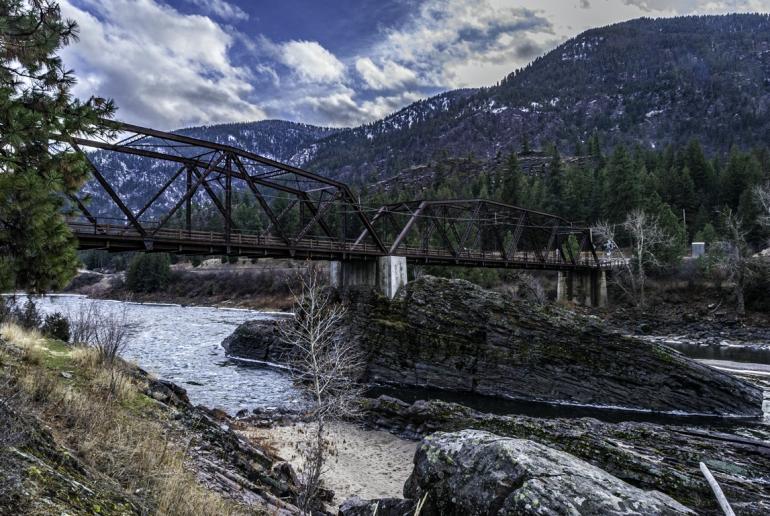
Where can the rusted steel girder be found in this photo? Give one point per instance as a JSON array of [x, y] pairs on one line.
[[470, 232], [258, 173]]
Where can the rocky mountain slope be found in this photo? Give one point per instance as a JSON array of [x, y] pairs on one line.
[[645, 81]]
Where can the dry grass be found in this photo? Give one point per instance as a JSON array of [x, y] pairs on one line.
[[20, 337], [29, 342], [103, 415], [86, 357], [116, 384]]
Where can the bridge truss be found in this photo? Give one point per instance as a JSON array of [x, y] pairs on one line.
[[302, 214]]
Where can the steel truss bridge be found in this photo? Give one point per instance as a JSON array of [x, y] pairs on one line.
[[302, 215]]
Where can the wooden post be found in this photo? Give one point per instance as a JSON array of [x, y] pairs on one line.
[[723, 503]]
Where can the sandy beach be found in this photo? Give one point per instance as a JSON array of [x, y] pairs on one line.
[[368, 463]]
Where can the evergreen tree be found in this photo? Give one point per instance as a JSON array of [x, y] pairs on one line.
[[512, 181], [148, 272], [37, 251], [555, 183], [623, 187]]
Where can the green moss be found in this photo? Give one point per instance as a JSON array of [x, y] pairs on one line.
[[392, 324], [139, 404], [57, 355]]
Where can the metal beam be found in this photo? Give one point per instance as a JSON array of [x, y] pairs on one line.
[[108, 188], [407, 227], [190, 192]]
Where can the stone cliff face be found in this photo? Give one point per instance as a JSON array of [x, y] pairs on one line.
[[451, 334]]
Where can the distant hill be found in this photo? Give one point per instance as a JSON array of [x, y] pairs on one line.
[[647, 82]]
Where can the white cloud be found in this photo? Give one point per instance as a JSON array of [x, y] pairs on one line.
[[163, 68], [446, 39], [311, 62], [222, 9], [342, 107], [390, 76], [700, 6]]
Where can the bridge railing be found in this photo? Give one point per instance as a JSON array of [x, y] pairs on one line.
[[255, 240]]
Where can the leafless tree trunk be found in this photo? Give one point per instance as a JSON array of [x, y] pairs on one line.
[[734, 258], [646, 238], [105, 330], [762, 194], [325, 367]]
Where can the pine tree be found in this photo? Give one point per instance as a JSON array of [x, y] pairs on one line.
[[624, 185], [37, 251], [512, 181], [554, 180]]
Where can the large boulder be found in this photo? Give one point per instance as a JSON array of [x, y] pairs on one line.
[[258, 340], [452, 334], [475, 472], [647, 455]]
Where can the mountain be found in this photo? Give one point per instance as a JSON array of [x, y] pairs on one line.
[[288, 142], [651, 82], [648, 81]]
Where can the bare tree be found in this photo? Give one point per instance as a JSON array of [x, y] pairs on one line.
[[646, 238], [325, 366], [111, 335], [106, 330], [734, 258], [83, 323], [762, 193]]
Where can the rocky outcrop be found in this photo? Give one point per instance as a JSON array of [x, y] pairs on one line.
[[476, 472], [452, 334], [646, 455], [257, 340]]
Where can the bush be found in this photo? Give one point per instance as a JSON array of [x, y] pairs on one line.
[[6, 309], [148, 273], [757, 289], [28, 317], [57, 326]]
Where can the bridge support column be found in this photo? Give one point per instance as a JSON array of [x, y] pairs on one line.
[[387, 274], [391, 273], [586, 288], [564, 287], [601, 289]]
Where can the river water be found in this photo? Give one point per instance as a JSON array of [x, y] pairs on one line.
[[182, 344]]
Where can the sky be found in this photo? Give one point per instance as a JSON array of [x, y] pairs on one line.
[[176, 63]]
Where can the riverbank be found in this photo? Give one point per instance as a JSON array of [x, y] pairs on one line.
[[364, 462], [265, 287], [80, 436]]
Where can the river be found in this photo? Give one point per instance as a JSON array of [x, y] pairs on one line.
[[182, 344]]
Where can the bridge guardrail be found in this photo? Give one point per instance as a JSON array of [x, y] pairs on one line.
[[320, 244]]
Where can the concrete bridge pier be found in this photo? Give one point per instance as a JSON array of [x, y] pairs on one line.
[[387, 274], [586, 288]]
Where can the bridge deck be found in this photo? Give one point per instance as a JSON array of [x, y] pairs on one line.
[[117, 238]]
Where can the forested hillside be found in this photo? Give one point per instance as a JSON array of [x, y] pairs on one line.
[[647, 82]]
